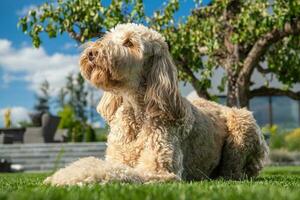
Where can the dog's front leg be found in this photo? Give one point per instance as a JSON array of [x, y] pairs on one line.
[[83, 171], [161, 159], [93, 170]]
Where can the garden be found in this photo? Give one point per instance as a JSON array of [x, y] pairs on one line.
[[242, 54]]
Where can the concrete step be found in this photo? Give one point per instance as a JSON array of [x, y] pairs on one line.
[[48, 166], [52, 158], [52, 154], [49, 151], [51, 146], [45, 167], [46, 157]]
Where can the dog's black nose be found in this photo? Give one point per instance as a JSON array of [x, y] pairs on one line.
[[92, 54]]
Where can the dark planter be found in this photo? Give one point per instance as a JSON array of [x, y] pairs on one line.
[[5, 165], [36, 118], [49, 126]]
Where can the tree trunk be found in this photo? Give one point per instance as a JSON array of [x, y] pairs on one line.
[[243, 95], [232, 90], [237, 91]]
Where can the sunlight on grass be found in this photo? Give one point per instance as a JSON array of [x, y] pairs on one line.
[[273, 183]]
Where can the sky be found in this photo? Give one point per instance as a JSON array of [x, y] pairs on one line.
[[23, 67]]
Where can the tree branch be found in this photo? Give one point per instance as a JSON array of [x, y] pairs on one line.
[[265, 91], [74, 35], [262, 70], [77, 36], [194, 81], [263, 43]]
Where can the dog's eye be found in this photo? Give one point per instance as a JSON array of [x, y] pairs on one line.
[[127, 43]]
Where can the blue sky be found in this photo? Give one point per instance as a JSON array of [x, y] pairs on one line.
[[22, 67]]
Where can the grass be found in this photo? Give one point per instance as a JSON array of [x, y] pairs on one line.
[[273, 183]]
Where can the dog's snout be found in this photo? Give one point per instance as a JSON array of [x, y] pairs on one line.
[[92, 54]]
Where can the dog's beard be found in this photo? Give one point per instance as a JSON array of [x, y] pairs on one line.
[[86, 68], [101, 78], [100, 74]]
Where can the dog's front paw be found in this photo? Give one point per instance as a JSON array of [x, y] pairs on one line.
[[47, 180], [84, 171]]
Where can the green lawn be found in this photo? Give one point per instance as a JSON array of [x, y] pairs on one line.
[[274, 183]]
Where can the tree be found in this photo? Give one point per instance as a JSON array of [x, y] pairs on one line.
[[239, 36], [81, 19], [43, 98], [61, 98], [77, 96], [72, 101]]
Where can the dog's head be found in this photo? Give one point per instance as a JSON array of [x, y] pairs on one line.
[[129, 56]]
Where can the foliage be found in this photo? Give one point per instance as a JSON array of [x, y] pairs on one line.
[[61, 98], [67, 117], [276, 136], [273, 183], [239, 36], [42, 104], [292, 140], [81, 19], [7, 118], [78, 131], [101, 133], [76, 92], [90, 135], [68, 121], [236, 35], [73, 101], [281, 139]]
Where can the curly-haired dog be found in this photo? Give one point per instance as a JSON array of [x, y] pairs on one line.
[[157, 135]]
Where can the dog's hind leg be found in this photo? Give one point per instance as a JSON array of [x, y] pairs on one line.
[[245, 150]]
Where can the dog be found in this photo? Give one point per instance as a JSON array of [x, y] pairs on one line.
[[156, 135]]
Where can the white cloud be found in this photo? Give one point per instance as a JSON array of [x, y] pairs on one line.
[[24, 11], [69, 45], [18, 114], [37, 65]]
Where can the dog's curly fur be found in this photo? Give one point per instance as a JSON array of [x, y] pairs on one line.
[[157, 135]]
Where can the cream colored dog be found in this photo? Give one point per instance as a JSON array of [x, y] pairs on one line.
[[157, 135]]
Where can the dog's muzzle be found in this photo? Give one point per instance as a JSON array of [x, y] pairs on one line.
[[92, 54]]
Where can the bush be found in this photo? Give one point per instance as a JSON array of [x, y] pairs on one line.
[[292, 140], [283, 140], [276, 136], [101, 133], [89, 135], [78, 131], [67, 115]]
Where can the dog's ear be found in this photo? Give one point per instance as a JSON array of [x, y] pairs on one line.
[[108, 105], [162, 95]]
